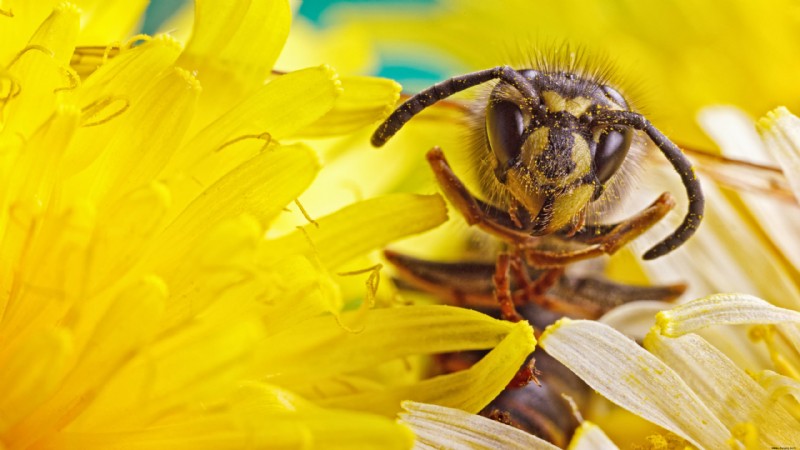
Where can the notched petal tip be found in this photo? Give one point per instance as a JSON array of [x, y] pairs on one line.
[[192, 83], [780, 130], [721, 309], [564, 321], [333, 76], [165, 39], [68, 8]]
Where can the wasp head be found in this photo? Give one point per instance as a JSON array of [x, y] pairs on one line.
[[548, 155]]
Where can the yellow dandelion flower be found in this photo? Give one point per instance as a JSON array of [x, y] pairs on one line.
[[142, 305]]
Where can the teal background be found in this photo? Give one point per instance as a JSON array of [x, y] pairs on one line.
[[160, 10], [406, 72]]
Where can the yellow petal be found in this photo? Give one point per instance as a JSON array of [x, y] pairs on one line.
[[296, 356], [261, 187], [114, 88], [36, 171], [275, 110], [145, 138], [728, 391], [469, 390], [629, 376], [239, 40], [362, 227], [184, 368], [58, 32], [255, 416], [129, 322], [721, 309], [124, 231], [364, 101], [347, 48], [319, 427], [31, 195], [589, 436], [441, 427], [32, 373], [109, 21], [42, 68]]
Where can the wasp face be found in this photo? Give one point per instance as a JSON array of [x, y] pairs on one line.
[[557, 139], [548, 155]]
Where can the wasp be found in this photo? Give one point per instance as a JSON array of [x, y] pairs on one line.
[[552, 143]]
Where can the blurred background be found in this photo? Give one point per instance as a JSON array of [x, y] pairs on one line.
[[672, 58]]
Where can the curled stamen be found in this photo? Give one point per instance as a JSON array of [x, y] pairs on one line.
[[14, 88], [115, 47], [92, 110], [130, 43], [372, 283], [74, 79], [305, 213], [263, 136], [29, 48]]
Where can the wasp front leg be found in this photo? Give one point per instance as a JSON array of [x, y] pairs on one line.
[[486, 217], [603, 239]]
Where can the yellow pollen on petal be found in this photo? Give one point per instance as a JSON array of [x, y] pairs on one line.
[[746, 433], [778, 350]]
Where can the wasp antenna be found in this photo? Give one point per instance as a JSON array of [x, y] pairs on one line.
[[681, 165], [445, 89]]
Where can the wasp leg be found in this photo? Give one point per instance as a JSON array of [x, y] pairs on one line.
[[471, 284], [502, 288], [608, 243], [475, 212], [466, 284], [535, 290], [542, 283]]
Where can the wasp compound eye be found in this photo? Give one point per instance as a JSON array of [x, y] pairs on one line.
[[612, 148], [615, 96], [504, 127]]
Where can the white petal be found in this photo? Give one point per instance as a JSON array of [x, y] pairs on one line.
[[734, 133], [629, 376], [441, 427], [728, 391], [722, 309]]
